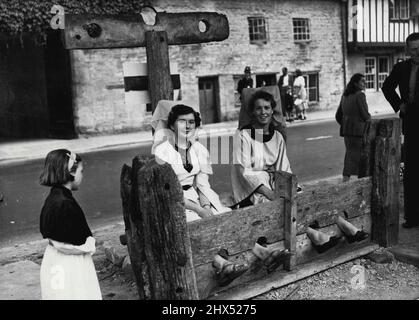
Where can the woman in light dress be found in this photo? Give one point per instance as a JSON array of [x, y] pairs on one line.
[[300, 95]]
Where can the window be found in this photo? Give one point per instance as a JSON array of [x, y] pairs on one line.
[[258, 30], [301, 29], [266, 79], [399, 9], [376, 71], [370, 72]]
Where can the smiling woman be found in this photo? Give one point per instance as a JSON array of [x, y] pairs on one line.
[[259, 152]]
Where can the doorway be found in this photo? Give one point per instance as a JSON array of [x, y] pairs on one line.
[[208, 99]]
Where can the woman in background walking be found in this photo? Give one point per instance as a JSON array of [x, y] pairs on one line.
[[353, 117]]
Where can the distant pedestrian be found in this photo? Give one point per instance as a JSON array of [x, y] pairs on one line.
[[406, 100], [300, 95], [67, 269], [353, 117], [246, 81], [286, 97]]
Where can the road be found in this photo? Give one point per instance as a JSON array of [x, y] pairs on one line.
[[315, 151]]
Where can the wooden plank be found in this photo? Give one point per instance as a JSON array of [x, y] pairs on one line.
[[386, 183], [380, 21], [286, 187], [324, 200], [368, 150], [304, 253], [280, 279], [162, 257], [236, 231], [118, 31], [159, 79]]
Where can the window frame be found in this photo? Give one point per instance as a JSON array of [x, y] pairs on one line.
[[306, 33], [394, 10], [253, 24]]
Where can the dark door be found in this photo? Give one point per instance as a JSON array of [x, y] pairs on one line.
[[207, 99], [58, 79]]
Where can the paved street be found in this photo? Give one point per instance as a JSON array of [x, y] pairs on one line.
[[315, 151]]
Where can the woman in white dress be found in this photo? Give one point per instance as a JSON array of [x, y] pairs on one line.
[[175, 143], [189, 159], [259, 151], [67, 269]]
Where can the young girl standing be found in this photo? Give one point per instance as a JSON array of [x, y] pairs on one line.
[[67, 270]]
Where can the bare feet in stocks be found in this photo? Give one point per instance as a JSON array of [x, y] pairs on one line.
[[271, 258], [226, 271]]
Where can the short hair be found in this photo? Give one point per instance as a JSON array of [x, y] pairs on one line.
[[284, 69], [351, 88], [56, 171], [180, 110], [298, 72], [260, 94], [412, 37]]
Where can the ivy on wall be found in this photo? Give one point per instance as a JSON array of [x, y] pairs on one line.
[[19, 17]]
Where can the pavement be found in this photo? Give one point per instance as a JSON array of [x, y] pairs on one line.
[[20, 279]]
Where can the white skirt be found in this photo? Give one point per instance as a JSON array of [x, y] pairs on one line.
[[68, 276]]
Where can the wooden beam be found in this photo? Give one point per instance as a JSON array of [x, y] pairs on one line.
[[366, 165], [236, 231], [286, 187], [386, 183], [159, 79], [122, 31], [159, 243]]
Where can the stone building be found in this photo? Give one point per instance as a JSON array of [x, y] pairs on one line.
[[265, 35], [376, 33]]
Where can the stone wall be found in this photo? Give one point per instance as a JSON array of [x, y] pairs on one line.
[[98, 94]]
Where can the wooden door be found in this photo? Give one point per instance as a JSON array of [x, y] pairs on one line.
[[207, 100]]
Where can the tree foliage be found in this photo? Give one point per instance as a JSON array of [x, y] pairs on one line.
[[33, 17]]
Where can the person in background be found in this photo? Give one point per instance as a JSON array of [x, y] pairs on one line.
[[246, 81], [67, 269], [405, 76], [286, 97], [353, 117], [300, 95]]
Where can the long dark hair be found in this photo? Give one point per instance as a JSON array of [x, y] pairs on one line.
[[351, 87]]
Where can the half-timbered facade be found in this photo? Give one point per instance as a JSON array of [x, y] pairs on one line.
[[376, 33]]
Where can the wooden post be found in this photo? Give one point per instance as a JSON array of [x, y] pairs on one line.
[[159, 80], [386, 183], [158, 239], [366, 166], [286, 187]]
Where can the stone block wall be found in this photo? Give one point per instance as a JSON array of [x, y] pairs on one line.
[[98, 93]]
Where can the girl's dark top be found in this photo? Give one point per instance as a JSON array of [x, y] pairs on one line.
[[62, 219]]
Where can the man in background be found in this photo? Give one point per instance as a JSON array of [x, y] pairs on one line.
[[405, 75]]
